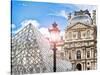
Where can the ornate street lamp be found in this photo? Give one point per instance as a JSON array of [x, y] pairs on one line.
[[54, 39]]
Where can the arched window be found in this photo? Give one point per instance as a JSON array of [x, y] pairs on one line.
[[95, 53], [88, 54], [70, 35], [79, 66], [84, 34], [78, 54], [69, 55], [88, 34], [79, 34], [74, 35], [88, 68]]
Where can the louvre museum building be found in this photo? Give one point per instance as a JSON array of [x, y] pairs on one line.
[[80, 40]]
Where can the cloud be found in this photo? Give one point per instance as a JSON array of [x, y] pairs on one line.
[[13, 26], [61, 13], [33, 22], [62, 34], [44, 31], [24, 4], [25, 23]]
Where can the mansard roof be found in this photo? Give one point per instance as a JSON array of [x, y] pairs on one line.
[[85, 19]]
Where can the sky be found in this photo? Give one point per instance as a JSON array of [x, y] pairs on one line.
[[42, 14]]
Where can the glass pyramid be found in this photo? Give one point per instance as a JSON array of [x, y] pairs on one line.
[[31, 53]]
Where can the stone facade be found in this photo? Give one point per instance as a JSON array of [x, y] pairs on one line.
[[80, 41]]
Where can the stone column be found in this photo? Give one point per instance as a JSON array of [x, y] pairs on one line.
[[83, 66]]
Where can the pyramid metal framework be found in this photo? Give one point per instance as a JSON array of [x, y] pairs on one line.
[[31, 53], [26, 54]]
